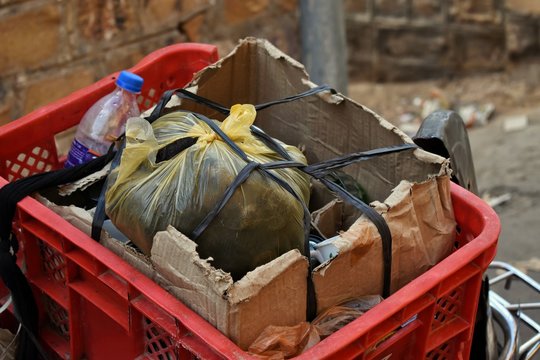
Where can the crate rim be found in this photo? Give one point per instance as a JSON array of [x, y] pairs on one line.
[[218, 342], [224, 346]]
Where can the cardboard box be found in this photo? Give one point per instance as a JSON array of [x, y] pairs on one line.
[[410, 189]]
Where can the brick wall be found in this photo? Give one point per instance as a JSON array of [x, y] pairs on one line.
[[49, 48], [392, 40]]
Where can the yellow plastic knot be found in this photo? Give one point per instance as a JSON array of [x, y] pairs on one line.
[[208, 138], [237, 124]]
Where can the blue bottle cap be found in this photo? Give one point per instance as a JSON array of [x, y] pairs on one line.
[[130, 81]]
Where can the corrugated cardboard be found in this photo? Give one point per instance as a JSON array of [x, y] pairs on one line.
[[274, 293], [410, 189], [421, 220], [326, 125]]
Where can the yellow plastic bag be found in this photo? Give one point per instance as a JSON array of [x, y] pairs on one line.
[[260, 221]]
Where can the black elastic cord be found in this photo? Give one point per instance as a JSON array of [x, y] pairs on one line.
[[324, 167], [99, 213], [239, 180], [26, 310], [15, 191], [380, 224], [160, 106], [311, 308], [271, 143], [184, 94], [287, 99]]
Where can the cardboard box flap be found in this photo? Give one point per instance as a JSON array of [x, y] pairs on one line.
[[423, 230], [276, 291], [254, 281], [175, 256], [272, 294], [257, 72]]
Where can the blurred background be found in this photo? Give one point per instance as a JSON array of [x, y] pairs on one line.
[[401, 58]]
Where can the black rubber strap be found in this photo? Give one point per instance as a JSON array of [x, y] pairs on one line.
[[13, 192], [311, 309], [239, 180], [304, 94], [223, 136], [26, 311], [160, 106], [99, 214], [266, 139], [380, 224], [324, 167], [184, 94], [270, 142]]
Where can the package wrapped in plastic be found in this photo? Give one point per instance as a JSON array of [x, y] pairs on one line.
[[285, 342], [175, 170]]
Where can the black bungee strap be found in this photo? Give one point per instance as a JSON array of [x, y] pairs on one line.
[[318, 170], [13, 192]]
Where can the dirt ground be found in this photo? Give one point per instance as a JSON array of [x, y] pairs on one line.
[[507, 161]]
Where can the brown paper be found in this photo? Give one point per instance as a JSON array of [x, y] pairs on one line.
[[8, 344], [423, 231]]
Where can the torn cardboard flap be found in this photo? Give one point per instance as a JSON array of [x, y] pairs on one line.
[[274, 293], [254, 74], [172, 249], [85, 182], [423, 230]]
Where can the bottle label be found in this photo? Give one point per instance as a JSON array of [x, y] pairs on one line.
[[79, 154]]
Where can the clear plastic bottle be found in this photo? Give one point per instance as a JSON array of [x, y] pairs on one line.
[[106, 120]]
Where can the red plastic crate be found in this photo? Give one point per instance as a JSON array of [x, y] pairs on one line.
[[93, 305]]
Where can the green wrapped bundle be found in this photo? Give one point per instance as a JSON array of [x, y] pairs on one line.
[[150, 191]]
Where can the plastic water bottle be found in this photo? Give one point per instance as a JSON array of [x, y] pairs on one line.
[[106, 120]]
